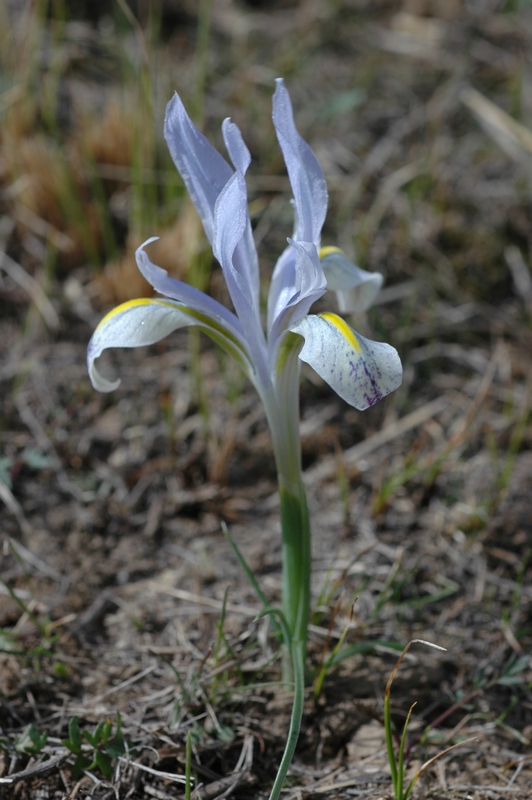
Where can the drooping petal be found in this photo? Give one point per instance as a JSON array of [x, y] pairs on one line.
[[304, 171], [204, 171], [355, 288], [360, 371], [183, 292], [146, 321], [132, 324]]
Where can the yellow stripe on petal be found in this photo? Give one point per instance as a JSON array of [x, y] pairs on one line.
[[145, 321], [343, 328], [360, 371], [327, 251], [142, 301]]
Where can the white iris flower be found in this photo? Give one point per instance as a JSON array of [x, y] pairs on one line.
[[359, 370]]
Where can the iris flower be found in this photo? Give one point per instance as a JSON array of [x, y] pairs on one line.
[[359, 370]]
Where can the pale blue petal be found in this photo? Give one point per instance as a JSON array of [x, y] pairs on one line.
[[204, 171], [236, 147], [230, 221], [230, 217], [299, 284], [245, 257], [282, 284], [355, 288], [360, 371], [304, 171], [189, 295]]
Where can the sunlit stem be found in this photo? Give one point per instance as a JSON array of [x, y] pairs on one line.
[[295, 526], [298, 653], [296, 570], [283, 415]]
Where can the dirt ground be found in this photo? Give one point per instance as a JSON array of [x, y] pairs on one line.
[[121, 598]]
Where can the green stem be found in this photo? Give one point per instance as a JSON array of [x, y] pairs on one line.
[[298, 654], [296, 570], [296, 610]]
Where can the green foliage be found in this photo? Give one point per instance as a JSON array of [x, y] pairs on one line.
[[397, 761], [31, 741], [512, 674], [10, 642], [97, 749], [31, 457]]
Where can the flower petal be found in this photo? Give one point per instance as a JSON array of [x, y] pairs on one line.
[[360, 371], [183, 292], [245, 259], [230, 221], [304, 171], [132, 324], [204, 171], [146, 321], [355, 288], [304, 283], [236, 146]]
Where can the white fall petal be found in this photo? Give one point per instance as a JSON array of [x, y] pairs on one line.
[[133, 324], [143, 322], [359, 370]]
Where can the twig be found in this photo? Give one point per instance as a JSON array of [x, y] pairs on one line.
[[32, 287], [36, 769], [354, 454], [224, 786]]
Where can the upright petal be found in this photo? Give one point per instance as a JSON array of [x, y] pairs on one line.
[[236, 146], [282, 284], [204, 171], [245, 257], [304, 283], [360, 371], [230, 221], [304, 171]]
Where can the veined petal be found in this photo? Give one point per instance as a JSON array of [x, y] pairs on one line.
[[360, 371], [204, 171], [304, 171], [146, 321], [355, 288]]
